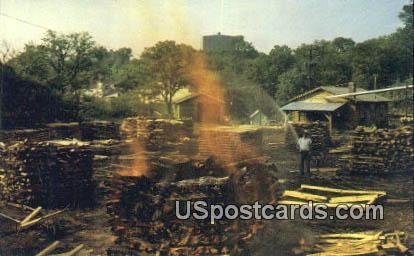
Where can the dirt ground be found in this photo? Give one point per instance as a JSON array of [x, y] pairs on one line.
[[91, 227]]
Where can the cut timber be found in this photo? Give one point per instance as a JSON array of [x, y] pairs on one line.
[[73, 252], [342, 191], [35, 221], [329, 205], [31, 215], [9, 218], [49, 249], [20, 206], [353, 199], [305, 196]]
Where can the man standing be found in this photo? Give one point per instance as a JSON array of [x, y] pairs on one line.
[[304, 144]]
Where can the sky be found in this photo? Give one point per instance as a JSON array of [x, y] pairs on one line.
[[141, 23]]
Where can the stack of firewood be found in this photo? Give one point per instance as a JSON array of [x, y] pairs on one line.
[[143, 215], [26, 134], [380, 150], [64, 130], [50, 174], [319, 134], [99, 130], [156, 134]]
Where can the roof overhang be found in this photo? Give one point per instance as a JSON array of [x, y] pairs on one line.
[[310, 106]]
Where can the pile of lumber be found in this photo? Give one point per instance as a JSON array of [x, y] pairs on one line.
[[363, 243], [50, 174], [319, 134], [380, 150], [142, 214], [331, 197], [99, 130], [156, 134]]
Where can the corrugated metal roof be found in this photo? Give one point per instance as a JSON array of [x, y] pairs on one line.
[[365, 97], [341, 90], [310, 106]]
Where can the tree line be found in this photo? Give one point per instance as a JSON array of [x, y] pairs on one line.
[[67, 64]]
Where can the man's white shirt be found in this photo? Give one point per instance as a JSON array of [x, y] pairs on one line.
[[304, 144]]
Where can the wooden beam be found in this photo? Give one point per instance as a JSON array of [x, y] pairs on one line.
[[305, 196], [342, 191], [370, 92]]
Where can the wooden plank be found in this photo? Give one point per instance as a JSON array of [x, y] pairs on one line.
[[31, 215], [353, 199], [305, 196], [329, 205], [49, 249], [9, 218], [341, 191]]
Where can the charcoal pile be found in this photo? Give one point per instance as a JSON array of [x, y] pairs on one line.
[[319, 134], [380, 150], [156, 134], [143, 217], [99, 130], [49, 174]]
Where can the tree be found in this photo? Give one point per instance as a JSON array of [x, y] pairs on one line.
[[168, 64], [70, 56]]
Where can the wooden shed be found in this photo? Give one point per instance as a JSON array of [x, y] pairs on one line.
[[198, 107], [340, 113]]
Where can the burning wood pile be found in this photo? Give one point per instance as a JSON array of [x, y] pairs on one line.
[[99, 130], [380, 150], [156, 134], [143, 214], [319, 134], [50, 174]]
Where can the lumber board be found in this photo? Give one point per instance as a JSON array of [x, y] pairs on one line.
[[341, 191], [306, 196]]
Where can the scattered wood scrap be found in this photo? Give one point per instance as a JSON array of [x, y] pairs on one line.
[[30, 219], [331, 197], [78, 250], [363, 243]]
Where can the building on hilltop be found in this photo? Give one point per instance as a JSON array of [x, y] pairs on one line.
[[220, 42]]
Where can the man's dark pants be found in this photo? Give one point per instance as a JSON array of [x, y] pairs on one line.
[[304, 162]]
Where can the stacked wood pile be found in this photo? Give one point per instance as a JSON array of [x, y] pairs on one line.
[[380, 150], [99, 130], [156, 134], [319, 134], [41, 134], [50, 174], [64, 130], [229, 143], [363, 243], [143, 215]]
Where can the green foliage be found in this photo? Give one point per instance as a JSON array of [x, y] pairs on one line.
[[168, 64]]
